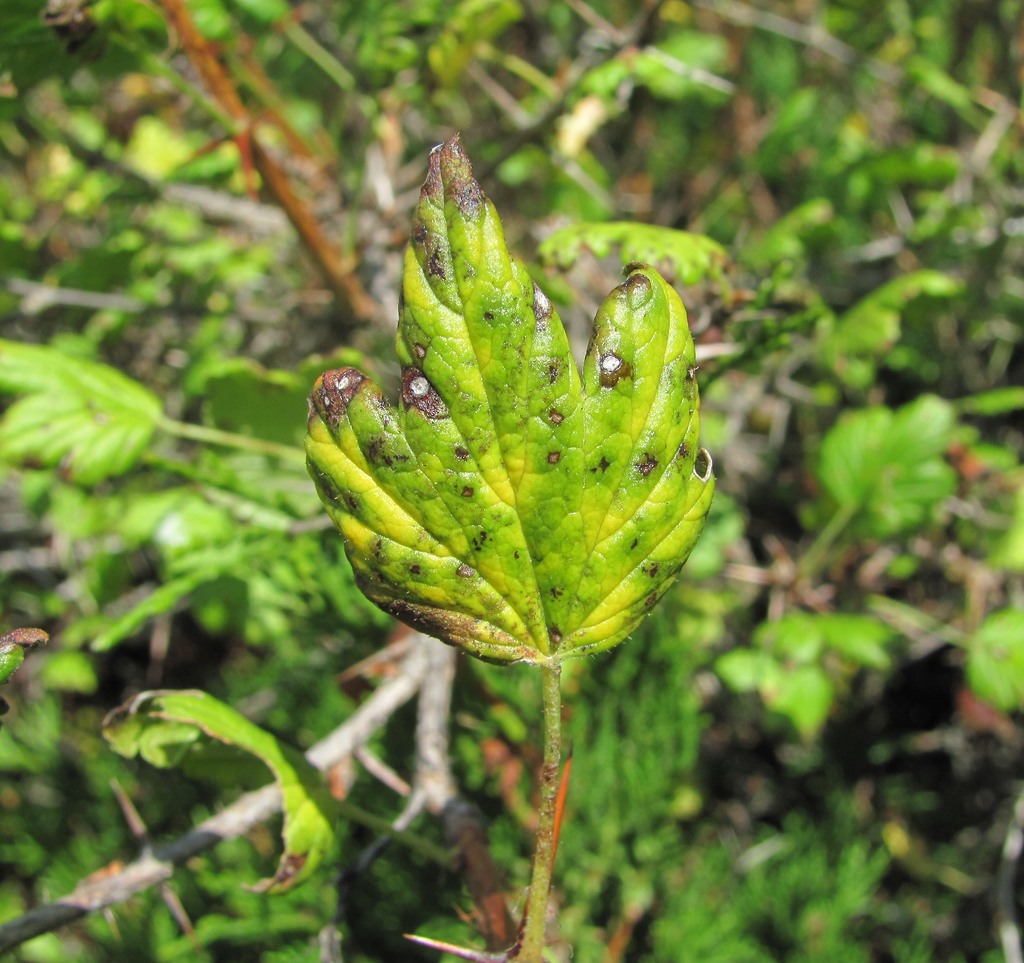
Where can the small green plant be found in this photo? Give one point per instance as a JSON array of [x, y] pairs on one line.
[[508, 505]]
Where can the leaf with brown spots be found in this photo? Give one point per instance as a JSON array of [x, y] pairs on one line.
[[509, 504]]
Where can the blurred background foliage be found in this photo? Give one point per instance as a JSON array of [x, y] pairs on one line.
[[811, 752]]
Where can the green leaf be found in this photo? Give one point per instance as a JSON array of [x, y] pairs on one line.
[[266, 11], [163, 726], [509, 505], [1008, 553], [472, 24], [785, 239], [749, 670], [679, 255], [803, 636], [69, 671], [787, 668], [680, 66], [998, 401], [87, 417], [804, 695], [885, 468], [873, 324], [164, 598], [995, 660]]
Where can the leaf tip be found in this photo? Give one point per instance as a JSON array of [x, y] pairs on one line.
[[450, 175]]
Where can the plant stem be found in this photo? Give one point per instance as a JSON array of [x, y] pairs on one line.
[[230, 439], [326, 61], [814, 555], [535, 920]]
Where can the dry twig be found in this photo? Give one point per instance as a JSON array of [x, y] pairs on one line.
[[350, 295]]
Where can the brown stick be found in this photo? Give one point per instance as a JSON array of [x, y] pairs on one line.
[[351, 297]]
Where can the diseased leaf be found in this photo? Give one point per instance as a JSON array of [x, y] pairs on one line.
[[509, 505], [87, 417], [163, 726]]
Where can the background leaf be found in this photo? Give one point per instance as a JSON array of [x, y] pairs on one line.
[[89, 418], [162, 726], [886, 467], [995, 660]]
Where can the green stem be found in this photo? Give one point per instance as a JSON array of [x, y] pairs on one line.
[[229, 439], [531, 949], [812, 558], [424, 847], [327, 62]]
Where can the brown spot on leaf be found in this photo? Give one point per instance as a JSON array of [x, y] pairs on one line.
[[651, 599], [333, 392], [683, 451], [461, 453], [436, 264], [556, 592], [414, 570], [554, 370], [420, 233], [652, 569], [457, 175], [556, 416], [638, 290], [633, 544], [465, 571], [419, 393], [290, 866], [488, 315], [419, 351], [376, 453], [554, 634], [554, 457], [604, 464], [432, 187], [647, 465], [612, 369], [467, 492]]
